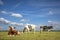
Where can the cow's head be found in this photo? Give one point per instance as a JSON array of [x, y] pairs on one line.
[[29, 26], [11, 27], [50, 27]]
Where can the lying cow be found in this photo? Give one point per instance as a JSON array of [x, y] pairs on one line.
[[13, 31], [29, 28]]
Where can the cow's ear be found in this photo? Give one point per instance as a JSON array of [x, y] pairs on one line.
[[9, 26], [14, 27]]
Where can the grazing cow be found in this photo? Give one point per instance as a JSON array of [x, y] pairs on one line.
[[13, 31], [29, 28], [45, 28]]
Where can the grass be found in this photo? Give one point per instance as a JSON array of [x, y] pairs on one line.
[[32, 36]]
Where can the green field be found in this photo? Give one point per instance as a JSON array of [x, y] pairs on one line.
[[32, 36]]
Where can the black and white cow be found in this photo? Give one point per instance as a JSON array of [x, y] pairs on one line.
[[29, 27], [45, 28]]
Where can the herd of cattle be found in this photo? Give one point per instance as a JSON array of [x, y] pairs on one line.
[[28, 28]]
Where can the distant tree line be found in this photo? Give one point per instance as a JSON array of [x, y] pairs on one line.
[[36, 31]]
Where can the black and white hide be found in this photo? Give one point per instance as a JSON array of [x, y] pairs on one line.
[[29, 28], [45, 28]]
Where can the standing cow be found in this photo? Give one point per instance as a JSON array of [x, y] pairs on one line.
[[45, 28], [29, 28]]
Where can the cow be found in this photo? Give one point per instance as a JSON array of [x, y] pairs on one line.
[[12, 31], [29, 28], [45, 28]]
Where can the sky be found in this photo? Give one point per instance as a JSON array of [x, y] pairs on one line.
[[21, 12]]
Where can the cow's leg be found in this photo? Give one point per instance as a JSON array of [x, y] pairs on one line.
[[10, 33], [48, 30], [27, 30], [34, 30], [18, 32], [24, 30], [41, 30], [13, 35]]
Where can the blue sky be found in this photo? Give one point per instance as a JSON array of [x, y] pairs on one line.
[[37, 12]]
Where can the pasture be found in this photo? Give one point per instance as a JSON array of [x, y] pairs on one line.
[[31, 36]]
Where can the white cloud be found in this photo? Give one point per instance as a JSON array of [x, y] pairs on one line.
[[1, 2], [16, 15], [4, 12], [54, 23], [49, 13], [49, 21], [24, 20], [46, 14], [17, 5], [40, 16], [4, 21], [17, 24], [13, 23]]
